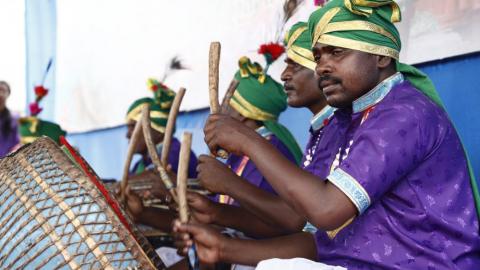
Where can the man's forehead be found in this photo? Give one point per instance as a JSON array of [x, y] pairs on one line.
[[320, 46]]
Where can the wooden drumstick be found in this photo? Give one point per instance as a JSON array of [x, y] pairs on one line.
[[213, 66], [172, 119], [228, 95], [182, 176], [152, 151], [137, 132]]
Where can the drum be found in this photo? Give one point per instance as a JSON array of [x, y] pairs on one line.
[[55, 214]]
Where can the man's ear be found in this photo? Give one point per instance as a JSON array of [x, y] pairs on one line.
[[383, 61]]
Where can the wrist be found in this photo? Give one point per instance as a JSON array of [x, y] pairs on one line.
[[251, 143], [217, 213], [224, 248]]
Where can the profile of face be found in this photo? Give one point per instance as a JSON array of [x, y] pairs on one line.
[[141, 147], [345, 75], [4, 94], [301, 86]]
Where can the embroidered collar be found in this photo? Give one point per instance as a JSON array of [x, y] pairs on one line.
[[377, 94], [320, 119], [263, 131]]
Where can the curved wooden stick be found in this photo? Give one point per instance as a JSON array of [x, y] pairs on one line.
[[172, 119], [213, 67], [152, 151], [137, 132], [228, 95], [182, 176]]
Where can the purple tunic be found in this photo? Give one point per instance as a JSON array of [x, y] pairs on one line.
[[319, 153], [246, 169], [173, 158], [7, 143], [318, 156], [401, 163]]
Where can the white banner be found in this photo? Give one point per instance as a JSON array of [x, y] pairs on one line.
[[107, 49]]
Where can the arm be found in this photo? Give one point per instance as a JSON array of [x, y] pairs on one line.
[[160, 219], [208, 212], [157, 218], [270, 208], [321, 202], [212, 247]]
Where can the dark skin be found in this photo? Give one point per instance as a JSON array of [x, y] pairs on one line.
[[157, 137], [213, 247], [218, 178], [155, 217], [302, 89]]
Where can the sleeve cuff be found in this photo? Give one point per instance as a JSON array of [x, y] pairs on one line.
[[354, 191]]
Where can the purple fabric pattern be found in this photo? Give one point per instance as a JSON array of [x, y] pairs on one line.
[[401, 163]]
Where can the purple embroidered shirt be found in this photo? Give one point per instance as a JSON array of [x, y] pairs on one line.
[[401, 163]]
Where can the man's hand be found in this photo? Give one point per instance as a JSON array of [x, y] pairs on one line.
[[134, 204], [208, 241], [203, 210], [214, 175], [222, 131]]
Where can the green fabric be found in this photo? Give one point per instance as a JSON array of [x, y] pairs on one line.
[[284, 135], [380, 13], [260, 89], [304, 40], [140, 168], [35, 128], [421, 81], [134, 112], [267, 95], [380, 16], [162, 94]]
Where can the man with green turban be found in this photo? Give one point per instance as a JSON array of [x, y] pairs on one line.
[[398, 193], [159, 106]]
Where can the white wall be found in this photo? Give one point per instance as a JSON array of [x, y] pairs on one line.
[[12, 51]]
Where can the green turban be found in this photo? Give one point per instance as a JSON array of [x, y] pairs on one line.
[[366, 25], [32, 128], [298, 43], [159, 105], [261, 98]]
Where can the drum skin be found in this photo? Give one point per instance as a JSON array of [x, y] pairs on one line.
[[52, 216]]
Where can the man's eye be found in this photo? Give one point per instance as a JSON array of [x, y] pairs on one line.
[[337, 52]]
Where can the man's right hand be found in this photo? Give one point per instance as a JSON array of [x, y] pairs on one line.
[[134, 204], [208, 241], [203, 210]]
